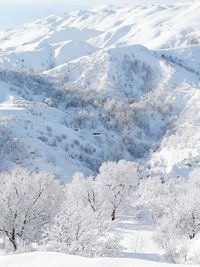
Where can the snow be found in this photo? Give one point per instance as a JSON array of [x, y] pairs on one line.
[[9, 105], [149, 56], [105, 84], [138, 249], [188, 57], [138, 237], [174, 155], [114, 71], [35, 45], [70, 50], [45, 259]]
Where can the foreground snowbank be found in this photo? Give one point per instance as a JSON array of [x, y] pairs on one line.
[[48, 259]]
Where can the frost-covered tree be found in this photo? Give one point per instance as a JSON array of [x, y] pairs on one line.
[[87, 190], [116, 182], [80, 227], [174, 208], [153, 195], [11, 148], [28, 201]]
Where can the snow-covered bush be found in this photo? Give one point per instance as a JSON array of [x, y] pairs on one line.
[[11, 148], [83, 119], [117, 115]]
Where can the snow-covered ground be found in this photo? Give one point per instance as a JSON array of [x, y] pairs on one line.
[[138, 237], [61, 260], [138, 249]]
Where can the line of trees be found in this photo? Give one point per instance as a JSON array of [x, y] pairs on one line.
[[74, 218], [173, 204], [77, 218]]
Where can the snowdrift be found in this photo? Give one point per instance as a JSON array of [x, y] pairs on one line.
[[61, 260]]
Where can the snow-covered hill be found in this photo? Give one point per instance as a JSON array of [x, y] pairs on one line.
[[122, 73], [52, 41], [81, 88], [105, 89]]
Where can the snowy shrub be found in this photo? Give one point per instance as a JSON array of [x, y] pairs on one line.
[[59, 96], [83, 119], [136, 148], [117, 115], [44, 139], [77, 231], [12, 149], [193, 40]]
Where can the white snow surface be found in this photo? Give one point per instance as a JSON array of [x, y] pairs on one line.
[[48, 259]]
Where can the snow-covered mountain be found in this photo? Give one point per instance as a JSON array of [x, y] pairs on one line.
[[109, 83], [52, 41]]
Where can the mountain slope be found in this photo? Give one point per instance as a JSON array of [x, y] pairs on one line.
[[82, 88], [128, 71], [45, 43], [70, 130]]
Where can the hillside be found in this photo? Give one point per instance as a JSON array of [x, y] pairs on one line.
[[126, 93], [48, 42]]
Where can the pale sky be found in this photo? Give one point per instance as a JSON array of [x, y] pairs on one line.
[[16, 12]]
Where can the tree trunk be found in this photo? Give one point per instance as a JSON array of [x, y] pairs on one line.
[[191, 236], [12, 239], [113, 215]]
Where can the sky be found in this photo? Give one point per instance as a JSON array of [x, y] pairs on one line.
[[16, 12]]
